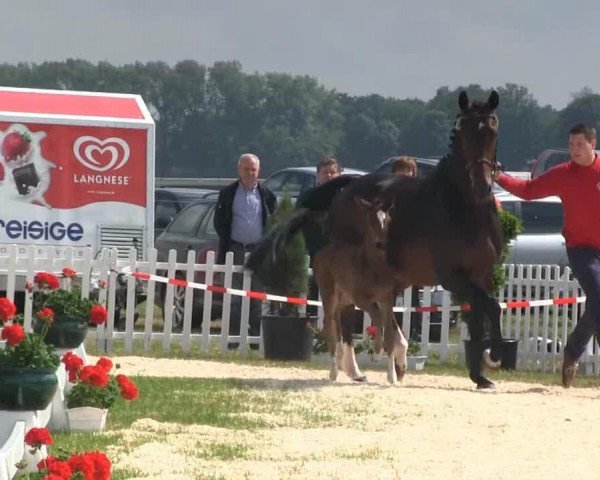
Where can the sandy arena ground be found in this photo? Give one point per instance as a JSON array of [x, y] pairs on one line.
[[430, 427]]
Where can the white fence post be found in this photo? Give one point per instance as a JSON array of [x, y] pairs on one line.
[[150, 289], [208, 296], [188, 302], [538, 329], [130, 305]]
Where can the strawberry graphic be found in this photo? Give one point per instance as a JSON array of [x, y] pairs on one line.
[[15, 144]]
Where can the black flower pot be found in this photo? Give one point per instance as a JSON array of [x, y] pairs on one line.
[[65, 332], [288, 337], [510, 347], [27, 388]]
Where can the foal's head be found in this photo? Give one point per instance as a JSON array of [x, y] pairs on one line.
[[474, 142], [377, 217]]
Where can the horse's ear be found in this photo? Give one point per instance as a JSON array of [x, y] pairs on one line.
[[463, 101], [494, 100]]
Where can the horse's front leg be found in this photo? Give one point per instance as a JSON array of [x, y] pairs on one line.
[[460, 284], [493, 312], [396, 347], [349, 358]]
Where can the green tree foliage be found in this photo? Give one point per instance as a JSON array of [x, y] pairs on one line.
[[206, 116]]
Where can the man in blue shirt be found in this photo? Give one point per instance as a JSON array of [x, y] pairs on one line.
[[242, 211]]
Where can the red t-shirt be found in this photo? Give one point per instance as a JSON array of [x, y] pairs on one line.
[[579, 189]]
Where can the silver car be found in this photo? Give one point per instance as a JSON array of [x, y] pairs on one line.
[[541, 242]]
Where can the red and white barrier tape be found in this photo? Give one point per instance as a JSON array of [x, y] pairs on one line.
[[303, 301]]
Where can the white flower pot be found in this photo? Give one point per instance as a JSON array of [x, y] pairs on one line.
[[416, 362], [86, 419]]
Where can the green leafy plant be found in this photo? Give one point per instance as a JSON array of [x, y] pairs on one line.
[[320, 341], [414, 348], [23, 350], [288, 275], [512, 226]]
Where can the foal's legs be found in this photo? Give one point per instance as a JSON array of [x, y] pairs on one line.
[[394, 342], [397, 343], [329, 298], [349, 358]]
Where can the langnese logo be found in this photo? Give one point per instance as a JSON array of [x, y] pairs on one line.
[[101, 156]]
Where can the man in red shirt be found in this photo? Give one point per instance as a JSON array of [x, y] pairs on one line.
[[577, 183]]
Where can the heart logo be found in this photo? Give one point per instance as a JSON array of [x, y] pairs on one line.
[[101, 155]]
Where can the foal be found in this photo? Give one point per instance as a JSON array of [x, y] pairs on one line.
[[349, 274]]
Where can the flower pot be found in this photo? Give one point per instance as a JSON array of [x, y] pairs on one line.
[[288, 337], [65, 332], [86, 419], [416, 362], [27, 388]]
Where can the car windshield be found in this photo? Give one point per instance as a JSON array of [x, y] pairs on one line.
[[542, 217]]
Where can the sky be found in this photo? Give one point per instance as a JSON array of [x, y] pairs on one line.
[[395, 48]]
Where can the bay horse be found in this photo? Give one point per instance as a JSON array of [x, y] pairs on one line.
[[359, 275], [444, 229]]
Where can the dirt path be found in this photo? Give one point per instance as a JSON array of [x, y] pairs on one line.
[[431, 427]]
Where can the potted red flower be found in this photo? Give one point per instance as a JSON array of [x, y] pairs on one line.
[[86, 465], [27, 364], [64, 309], [93, 391]]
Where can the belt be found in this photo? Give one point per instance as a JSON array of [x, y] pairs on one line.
[[245, 246]]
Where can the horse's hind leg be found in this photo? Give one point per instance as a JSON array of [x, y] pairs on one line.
[[330, 325], [346, 323]]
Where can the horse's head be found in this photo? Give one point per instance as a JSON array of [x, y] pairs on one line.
[[377, 216], [474, 142]]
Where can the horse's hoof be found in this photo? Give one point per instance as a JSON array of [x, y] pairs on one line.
[[400, 372], [485, 384], [359, 379]]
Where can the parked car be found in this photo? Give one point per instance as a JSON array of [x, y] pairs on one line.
[[425, 166], [169, 201], [191, 229], [541, 242], [296, 180], [550, 158]]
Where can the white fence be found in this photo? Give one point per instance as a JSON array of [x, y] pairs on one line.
[[542, 331]]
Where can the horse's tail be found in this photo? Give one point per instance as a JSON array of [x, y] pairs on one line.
[[312, 206], [268, 247]]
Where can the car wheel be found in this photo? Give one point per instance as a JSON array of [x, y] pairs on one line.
[[178, 306]]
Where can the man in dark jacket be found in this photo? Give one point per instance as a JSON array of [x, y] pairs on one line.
[[240, 219]]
